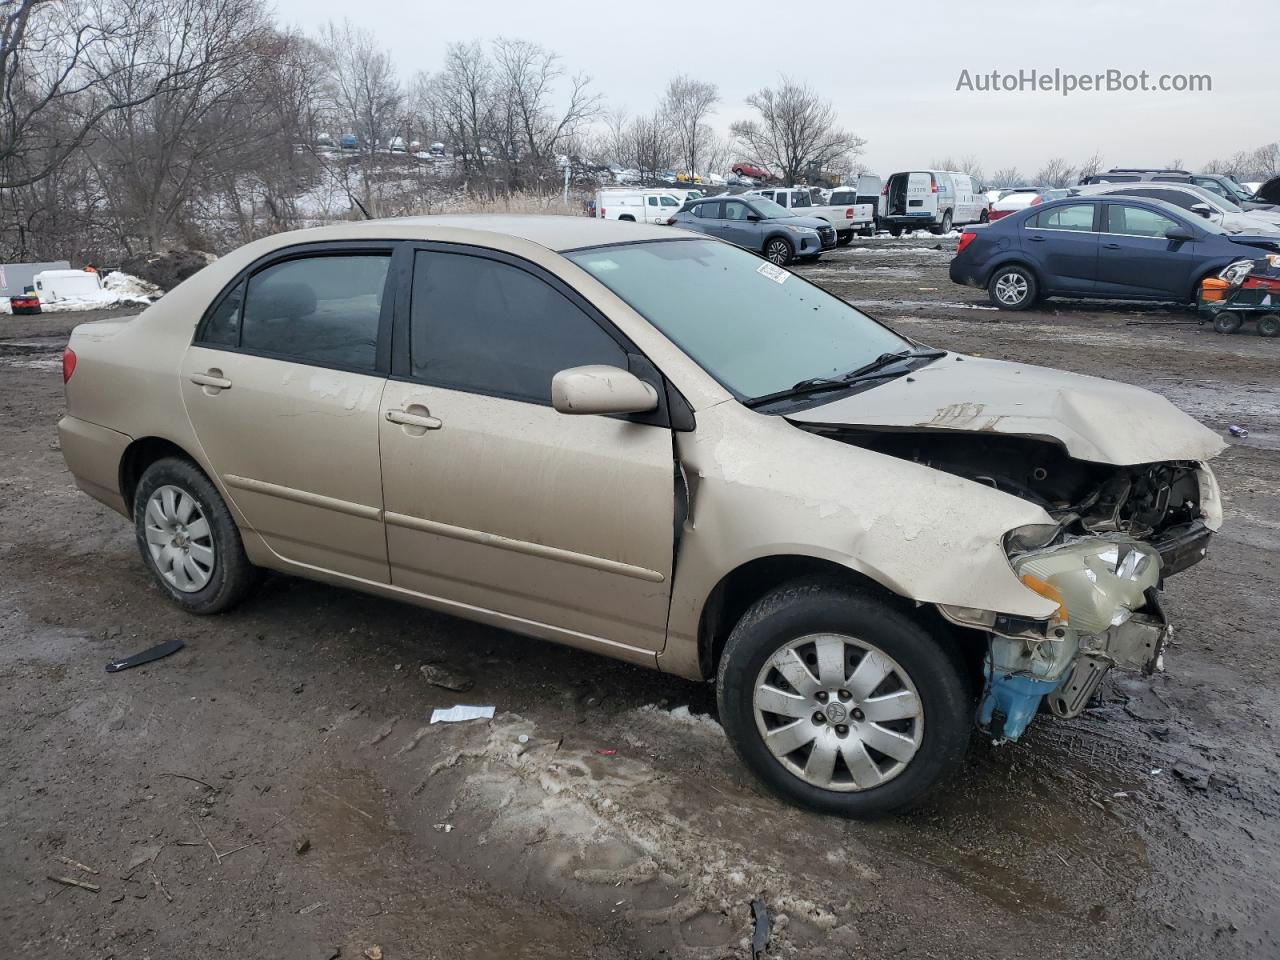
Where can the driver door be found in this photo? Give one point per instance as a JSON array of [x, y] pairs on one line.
[[495, 501]]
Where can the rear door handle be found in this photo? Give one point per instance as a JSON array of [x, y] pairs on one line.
[[405, 418], [211, 379], [1111, 246], [1037, 239]]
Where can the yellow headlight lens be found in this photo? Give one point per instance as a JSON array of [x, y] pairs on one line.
[[1049, 592]]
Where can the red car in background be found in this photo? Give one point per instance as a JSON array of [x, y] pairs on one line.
[[750, 170]]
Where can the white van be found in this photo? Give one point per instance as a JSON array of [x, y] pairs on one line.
[[936, 200], [637, 206], [54, 285]]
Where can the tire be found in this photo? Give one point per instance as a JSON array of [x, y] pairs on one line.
[[778, 250], [213, 573], [1227, 322], [944, 226], [922, 675], [985, 216], [844, 239], [1269, 324], [895, 231], [1012, 288]]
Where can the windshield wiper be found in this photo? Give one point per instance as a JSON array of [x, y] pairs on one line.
[[875, 370]]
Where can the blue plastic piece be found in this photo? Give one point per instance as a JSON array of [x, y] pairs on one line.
[[1011, 700]]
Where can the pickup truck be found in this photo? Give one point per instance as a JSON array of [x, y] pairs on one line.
[[846, 219]]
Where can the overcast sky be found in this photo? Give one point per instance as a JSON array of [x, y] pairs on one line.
[[891, 69]]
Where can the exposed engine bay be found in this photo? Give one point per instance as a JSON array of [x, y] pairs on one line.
[[1116, 533]]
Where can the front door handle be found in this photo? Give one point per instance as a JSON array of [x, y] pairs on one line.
[[408, 418], [1111, 246], [213, 379], [1037, 239]]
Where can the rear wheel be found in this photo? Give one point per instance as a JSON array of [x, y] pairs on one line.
[[1226, 322], [945, 226], [895, 231], [778, 250], [838, 701], [985, 216], [188, 539], [1012, 288], [1269, 324]]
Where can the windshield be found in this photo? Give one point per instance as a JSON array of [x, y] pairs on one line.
[[768, 209], [756, 328]]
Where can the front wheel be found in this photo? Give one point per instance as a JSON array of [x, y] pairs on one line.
[[778, 251], [189, 540], [840, 702], [845, 238], [1227, 322], [1012, 288]]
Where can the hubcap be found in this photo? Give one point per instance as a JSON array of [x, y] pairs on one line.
[[838, 712], [179, 539], [1011, 288], [778, 252]]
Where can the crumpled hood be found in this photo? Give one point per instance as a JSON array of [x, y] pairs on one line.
[[1094, 419]]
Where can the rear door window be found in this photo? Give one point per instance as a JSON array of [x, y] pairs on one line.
[[1136, 221], [323, 310], [708, 211], [1075, 216], [486, 326], [735, 210]]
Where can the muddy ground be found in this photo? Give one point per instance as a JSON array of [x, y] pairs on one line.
[[273, 790]]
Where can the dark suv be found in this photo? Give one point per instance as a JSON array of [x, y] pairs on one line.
[[1220, 183]]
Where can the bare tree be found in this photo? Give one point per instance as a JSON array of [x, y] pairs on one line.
[[1006, 177], [650, 145], [687, 104], [62, 72], [1091, 166], [797, 132], [1055, 173], [460, 100], [364, 88], [532, 127]]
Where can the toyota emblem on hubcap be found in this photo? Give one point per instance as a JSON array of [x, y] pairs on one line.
[[836, 712]]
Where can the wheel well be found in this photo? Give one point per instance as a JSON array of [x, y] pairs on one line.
[[778, 235], [1015, 262], [628, 218], [742, 587], [138, 456]]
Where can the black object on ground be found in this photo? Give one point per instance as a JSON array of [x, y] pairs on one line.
[[146, 656], [760, 938]]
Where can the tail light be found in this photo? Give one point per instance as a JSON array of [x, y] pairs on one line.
[[933, 184], [884, 190], [966, 238], [602, 213], [1036, 199], [1257, 283], [1213, 289], [68, 364], [848, 213]]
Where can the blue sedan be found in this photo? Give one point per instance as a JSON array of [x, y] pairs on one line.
[[1111, 247]]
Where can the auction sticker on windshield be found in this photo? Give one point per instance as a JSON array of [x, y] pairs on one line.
[[774, 273]]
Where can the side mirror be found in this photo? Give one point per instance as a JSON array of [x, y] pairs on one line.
[[753, 217], [601, 389], [1203, 209], [1179, 233]]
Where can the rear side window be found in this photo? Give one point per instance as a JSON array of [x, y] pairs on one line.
[[735, 210], [321, 310], [708, 211], [489, 327], [1077, 216], [842, 196], [669, 201], [222, 325], [1136, 221]]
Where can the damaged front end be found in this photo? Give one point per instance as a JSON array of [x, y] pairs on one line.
[[1114, 533], [1103, 563]]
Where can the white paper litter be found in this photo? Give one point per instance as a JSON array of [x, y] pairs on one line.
[[461, 712]]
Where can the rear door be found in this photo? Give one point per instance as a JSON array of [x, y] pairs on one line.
[[496, 502], [922, 200], [709, 219], [1136, 259], [282, 386], [1064, 243]]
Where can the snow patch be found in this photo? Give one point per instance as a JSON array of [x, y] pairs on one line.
[[118, 289]]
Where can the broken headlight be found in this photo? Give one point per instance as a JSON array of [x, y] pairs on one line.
[[1096, 583], [1235, 273]]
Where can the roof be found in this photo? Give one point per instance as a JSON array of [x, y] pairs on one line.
[[557, 233]]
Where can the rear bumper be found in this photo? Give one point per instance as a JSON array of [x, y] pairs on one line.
[[915, 221], [964, 273], [93, 456]]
